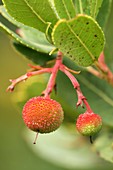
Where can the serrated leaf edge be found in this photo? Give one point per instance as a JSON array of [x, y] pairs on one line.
[[22, 41]]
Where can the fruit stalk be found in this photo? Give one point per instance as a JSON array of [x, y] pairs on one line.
[[51, 82], [81, 98]]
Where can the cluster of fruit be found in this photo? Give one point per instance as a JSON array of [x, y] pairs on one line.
[[43, 114]]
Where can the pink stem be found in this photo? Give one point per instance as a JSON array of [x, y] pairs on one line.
[[102, 63], [81, 98], [104, 67], [89, 110], [103, 71], [51, 83], [94, 72], [26, 76], [52, 78]]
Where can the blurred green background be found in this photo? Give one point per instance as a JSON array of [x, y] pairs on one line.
[[14, 152]]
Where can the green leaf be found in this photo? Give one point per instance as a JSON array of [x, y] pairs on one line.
[[44, 9], [22, 12], [37, 39], [104, 146], [39, 42], [35, 14], [104, 12], [7, 16], [29, 37], [80, 39], [94, 7], [65, 9]]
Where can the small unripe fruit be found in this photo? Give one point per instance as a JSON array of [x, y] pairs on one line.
[[89, 124], [42, 115]]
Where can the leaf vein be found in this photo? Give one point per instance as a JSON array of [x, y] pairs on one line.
[[66, 9]]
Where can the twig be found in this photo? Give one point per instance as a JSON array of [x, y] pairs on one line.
[[51, 82], [81, 98], [24, 77]]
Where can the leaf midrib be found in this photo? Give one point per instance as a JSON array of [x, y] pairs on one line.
[[35, 12], [77, 37]]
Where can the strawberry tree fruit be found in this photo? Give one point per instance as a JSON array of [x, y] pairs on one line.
[[42, 115], [89, 124]]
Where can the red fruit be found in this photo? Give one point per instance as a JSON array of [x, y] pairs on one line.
[[42, 115], [89, 124]]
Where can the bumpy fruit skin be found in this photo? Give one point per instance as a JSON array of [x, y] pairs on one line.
[[42, 115], [89, 124]]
